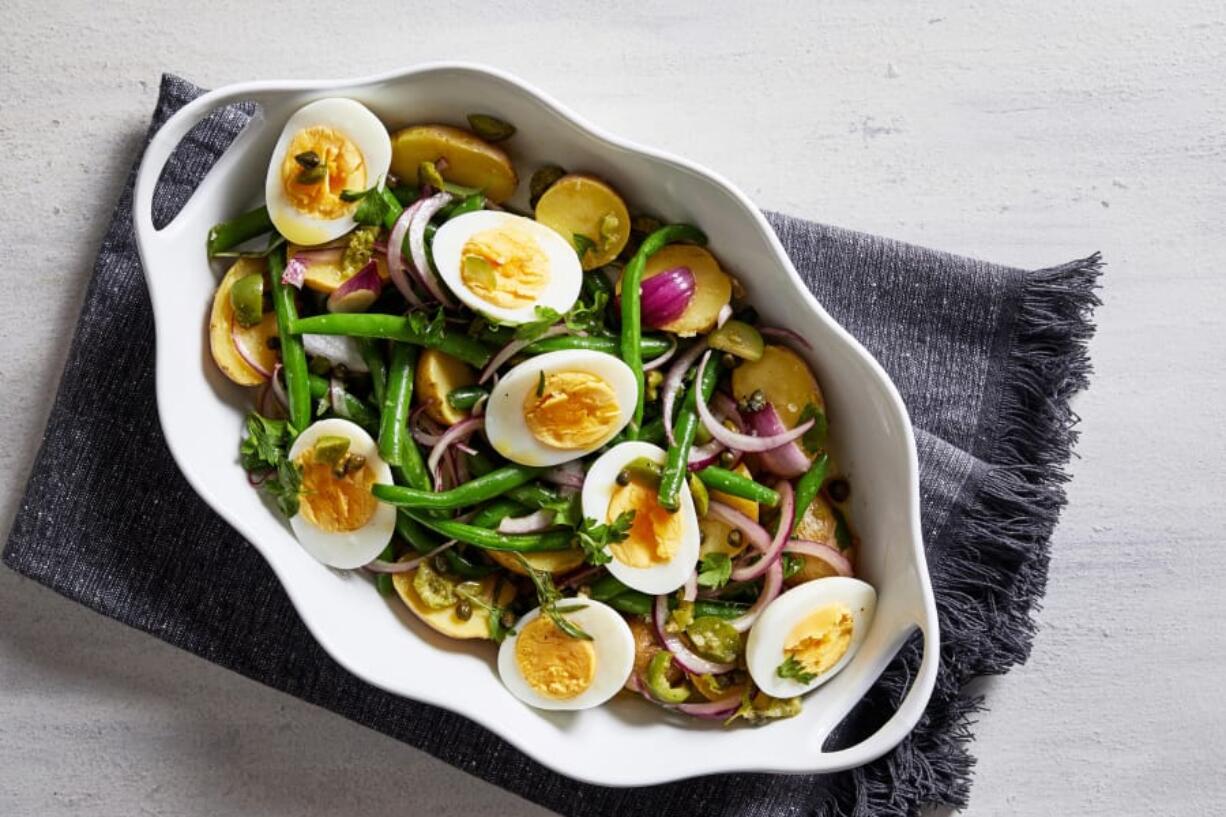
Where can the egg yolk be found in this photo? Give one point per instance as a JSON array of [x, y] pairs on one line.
[[655, 534], [335, 504], [319, 193], [820, 639], [554, 664], [571, 410], [504, 266]]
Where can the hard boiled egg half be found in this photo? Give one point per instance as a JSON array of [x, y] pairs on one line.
[[661, 549], [559, 406], [504, 266], [339, 521], [549, 669], [326, 148], [808, 634]]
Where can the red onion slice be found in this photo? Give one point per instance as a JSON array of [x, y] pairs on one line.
[[818, 550], [240, 344], [569, 474], [718, 709], [683, 655], [460, 431], [338, 349], [423, 428], [395, 253], [785, 334], [532, 523], [787, 504], [278, 390], [294, 273], [755, 533], [511, 349], [703, 455], [359, 291], [662, 359], [672, 385], [665, 296], [770, 591], [417, 246], [690, 588], [380, 566], [743, 442], [788, 460]]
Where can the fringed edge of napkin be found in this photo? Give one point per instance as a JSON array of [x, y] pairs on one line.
[[1014, 503]]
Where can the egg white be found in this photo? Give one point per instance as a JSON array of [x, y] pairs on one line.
[[362, 128], [348, 549], [506, 428], [764, 649], [612, 640], [565, 272], [598, 487]]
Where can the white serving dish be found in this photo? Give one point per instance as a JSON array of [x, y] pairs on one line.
[[628, 742]]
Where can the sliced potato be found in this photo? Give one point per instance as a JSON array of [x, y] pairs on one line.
[[438, 374], [816, 525], [584, 205], [471, 161], [784, 379], [645, 645], [258, 341], [325, 276], [221, 326], [712, 287], [445, 620], [552, 561], [714, 532]]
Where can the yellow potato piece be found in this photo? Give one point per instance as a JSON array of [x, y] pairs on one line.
[[221, 323], [816, 525], [438, 374], [712, 287], [586, 206], [785, 380], [714, 532], [445, 620], [551, 561], [470, 161], [325, 276]]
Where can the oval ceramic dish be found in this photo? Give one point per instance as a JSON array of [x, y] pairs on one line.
[[625, 743]]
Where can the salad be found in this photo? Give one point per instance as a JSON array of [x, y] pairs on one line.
[[565, 430]]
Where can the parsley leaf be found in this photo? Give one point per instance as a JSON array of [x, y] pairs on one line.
[[372, 208], [715, 570], [595, 538], [549, 596], [583, 244], [791, 668], [815, 438], [565, 510], [760, 708], [430, 329], [590, 319], [793, 563], [545, 318], [263, 451]]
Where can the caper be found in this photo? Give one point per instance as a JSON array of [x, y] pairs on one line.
[[734, 538], [623, 477], [464, 610], [838, 489], [439, 562], [307, 159], [355, 463], [490, 128], [543, 179], [313, 175], [727, 458], [752, 403], [273, 343], [729, 360]]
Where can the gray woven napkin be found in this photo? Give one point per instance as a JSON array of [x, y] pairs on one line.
[[985, 356]]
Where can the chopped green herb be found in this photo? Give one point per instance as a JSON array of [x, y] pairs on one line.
[[793, 563], [588, 318], [760, 708], [430, 329], [715, 570], [583, 244], [372, 208], [595, 538], [549, 596], [263, 452], [791, 668], [546, 317]]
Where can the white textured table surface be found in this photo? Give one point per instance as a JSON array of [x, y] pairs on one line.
[[999, 130]]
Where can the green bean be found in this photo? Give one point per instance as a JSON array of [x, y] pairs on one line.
[[607, 587], [535, 495], [496, 511], [492, 540], [230, 234], [356, 408], [651, 346], [372, 355], [424, 541], [653, 432], [394, 208], [734, 484], [293, 356], [393, 421], [632, 308], [393, 327], [479, 464], [495, 483], [404, 194], [808, 486], [465, 397], [676, 466], [595, 281], [634, 603]]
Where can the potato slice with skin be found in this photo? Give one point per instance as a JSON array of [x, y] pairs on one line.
[[714, 532], [471, 161], [785, 380], [553, 561], [816, 525], [325, 276], [221, 326], [445, 620], [438, 374], [256, 341], [579, 204], [712, 287]]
